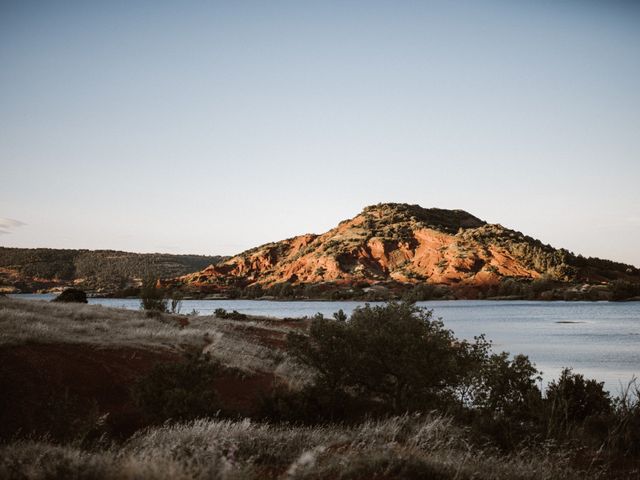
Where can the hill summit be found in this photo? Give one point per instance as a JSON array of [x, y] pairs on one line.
[[403, 245]]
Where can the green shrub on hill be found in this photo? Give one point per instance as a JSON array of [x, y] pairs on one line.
[[178, 391]]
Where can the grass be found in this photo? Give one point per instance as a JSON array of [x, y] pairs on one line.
[[233, 343], [407, 447]]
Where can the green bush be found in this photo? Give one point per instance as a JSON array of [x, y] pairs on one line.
[[340, 316], [178, 391], [234, 315], [421, 292], [505, 386], [622, 290], [396, 355], [624, 430], [315, 405], [175, 302], [72, 295], [572, 400], [152, 297]]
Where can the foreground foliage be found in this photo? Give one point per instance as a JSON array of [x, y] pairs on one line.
[[400, 358], [404, 447], [389, 393], [396, 358]]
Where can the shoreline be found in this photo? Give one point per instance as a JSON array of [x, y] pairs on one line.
[[349, 300]]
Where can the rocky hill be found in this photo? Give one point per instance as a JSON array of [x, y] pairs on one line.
[[399, 246], [102, 271]]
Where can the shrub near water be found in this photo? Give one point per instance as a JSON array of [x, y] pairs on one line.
[[152, 297], [71, 295], [155, 299], [399, 358]]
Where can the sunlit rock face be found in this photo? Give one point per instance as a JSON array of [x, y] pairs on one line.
[[394, 242]]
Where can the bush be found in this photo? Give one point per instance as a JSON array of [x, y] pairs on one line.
[[340, 316], [152, 297], [624, 432], [234, 315], [178, 391], [72, 295], [421, 292], [396, 355], [504, 401], [622, 290], [507, 387], [175, 302], [314, 405], [572, 400]]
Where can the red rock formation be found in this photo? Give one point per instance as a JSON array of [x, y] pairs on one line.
[[392, 242]]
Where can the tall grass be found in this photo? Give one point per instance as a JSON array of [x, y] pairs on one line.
[[427, 446]]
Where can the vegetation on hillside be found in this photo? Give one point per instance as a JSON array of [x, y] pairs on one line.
[[29, 269]]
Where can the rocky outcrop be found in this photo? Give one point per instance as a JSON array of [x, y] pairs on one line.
[[404, 244]]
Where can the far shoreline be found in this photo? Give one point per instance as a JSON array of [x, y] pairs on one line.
[[349, 300]]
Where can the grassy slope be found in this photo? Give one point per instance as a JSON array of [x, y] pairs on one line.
[[238, 344], [405, 447]]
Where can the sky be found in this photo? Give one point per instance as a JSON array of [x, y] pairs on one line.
[[212, 127]]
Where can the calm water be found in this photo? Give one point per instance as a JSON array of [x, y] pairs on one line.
[[600, 340]]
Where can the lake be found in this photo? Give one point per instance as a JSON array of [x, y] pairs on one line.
[[598, 339]]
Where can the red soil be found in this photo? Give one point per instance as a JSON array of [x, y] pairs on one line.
[[241, 393], [31, 375], [36, 379]]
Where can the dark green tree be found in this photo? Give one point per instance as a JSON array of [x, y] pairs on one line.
[[507, 386], [396, 355], [572, 400]]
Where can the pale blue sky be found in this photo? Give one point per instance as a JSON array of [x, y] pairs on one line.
[[201, 127]]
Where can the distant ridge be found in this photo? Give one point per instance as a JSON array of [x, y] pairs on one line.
[[101, 271]]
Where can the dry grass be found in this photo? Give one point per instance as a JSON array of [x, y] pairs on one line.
[[402, 447], [24, 321], [229, 341]]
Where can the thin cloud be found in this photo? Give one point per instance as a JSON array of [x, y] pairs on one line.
[[8, 224]]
